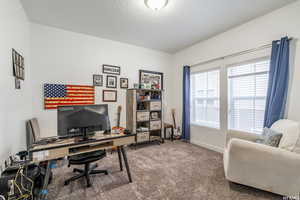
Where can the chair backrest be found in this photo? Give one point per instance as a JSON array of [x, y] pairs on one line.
[[33, 133], [29, 135], [35, 129]]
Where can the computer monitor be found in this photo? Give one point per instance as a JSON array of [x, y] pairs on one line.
[[82, 120]]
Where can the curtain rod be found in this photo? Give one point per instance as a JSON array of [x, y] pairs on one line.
[[266, 46]]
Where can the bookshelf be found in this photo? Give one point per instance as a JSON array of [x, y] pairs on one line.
[[145, 114]]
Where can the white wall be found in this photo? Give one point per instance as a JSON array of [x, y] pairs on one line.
[[60, 56], [15, 105], [255, 33]]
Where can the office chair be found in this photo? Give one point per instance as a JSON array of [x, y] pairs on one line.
[[86, 159], [34, 134]]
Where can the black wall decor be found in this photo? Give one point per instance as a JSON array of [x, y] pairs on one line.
[[111, 69], [18, 65], [109, 95], [151, 79], [124, 83], [97, 80], [111, 81], [17, 84]]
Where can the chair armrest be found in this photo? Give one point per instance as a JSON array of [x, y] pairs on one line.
[[258, 165], [241, 135], [248, 150]]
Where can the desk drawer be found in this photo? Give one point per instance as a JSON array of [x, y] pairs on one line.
[[155, 105], [60, 152], [124, 141], [142, 137], [155, 125], [142, 116], [49, 154]]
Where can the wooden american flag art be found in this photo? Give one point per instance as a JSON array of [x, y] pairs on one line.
[[63, 95]]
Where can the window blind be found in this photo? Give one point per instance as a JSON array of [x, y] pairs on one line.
[[205, 98], [247, 90]]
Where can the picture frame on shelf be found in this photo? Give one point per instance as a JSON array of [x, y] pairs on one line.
[[151, 79], [111, 69], [98, 80], [109, 96], [111, 81], [154, 115], [124, 83]]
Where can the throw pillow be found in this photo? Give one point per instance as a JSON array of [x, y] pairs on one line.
[[270, 137]]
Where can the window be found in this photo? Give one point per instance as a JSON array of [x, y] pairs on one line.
[[247, 90], [205, 101]]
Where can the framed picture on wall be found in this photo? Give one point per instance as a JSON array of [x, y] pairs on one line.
[[97, 80], [109, 96], [18, 65], [111, 69], [151, 79], [124, 83], [111, 81]]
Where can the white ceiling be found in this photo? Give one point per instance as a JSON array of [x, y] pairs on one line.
[[179, 25]]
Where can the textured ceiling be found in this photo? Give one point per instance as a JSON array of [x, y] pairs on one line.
[[177, 26]]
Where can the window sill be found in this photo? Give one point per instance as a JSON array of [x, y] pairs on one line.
[[246, 131], [205, 126]]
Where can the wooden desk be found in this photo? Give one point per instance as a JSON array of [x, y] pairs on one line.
[[72, 146]]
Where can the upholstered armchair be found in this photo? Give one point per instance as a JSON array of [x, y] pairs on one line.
[[273, 169]]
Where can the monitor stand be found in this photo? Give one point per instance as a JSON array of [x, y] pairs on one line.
[[84, 136]]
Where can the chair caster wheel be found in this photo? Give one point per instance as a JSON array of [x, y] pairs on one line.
[[66, 183], [106, 173]]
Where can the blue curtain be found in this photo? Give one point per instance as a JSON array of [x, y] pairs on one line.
[[278, 82], [186, 104]]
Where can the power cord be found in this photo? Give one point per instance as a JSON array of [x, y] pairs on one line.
[[24, 193]]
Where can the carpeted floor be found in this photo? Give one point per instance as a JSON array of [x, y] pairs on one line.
[[171, 171]]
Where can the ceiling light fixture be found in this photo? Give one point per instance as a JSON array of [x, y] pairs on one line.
[[156, 4]]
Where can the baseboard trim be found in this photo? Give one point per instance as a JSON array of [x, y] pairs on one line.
[[209, 146]]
